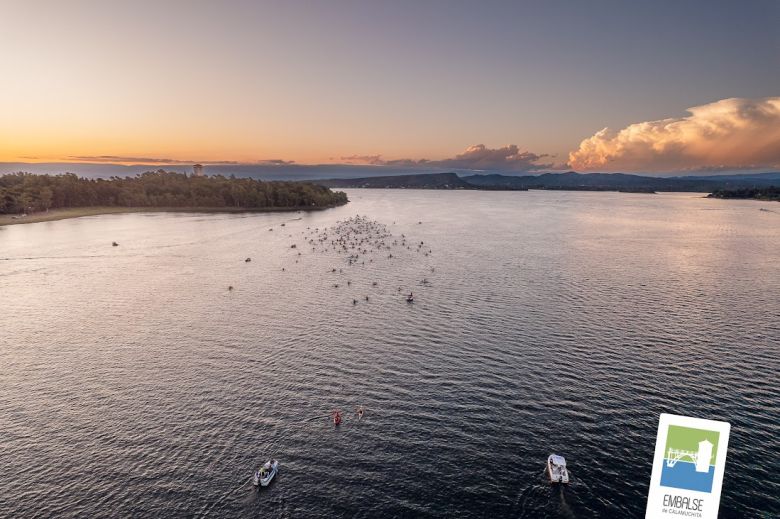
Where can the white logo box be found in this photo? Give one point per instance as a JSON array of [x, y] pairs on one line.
[[665, 502]]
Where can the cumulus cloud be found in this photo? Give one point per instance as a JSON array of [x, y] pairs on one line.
[[507, 158], [477, 157], [728, 134]]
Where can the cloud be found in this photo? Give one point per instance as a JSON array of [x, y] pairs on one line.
[[477, 157], [116, 158], [113, 159], [507, 158], [728, 134], [269, 162], [375, 160]]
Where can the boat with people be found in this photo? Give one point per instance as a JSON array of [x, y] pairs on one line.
[[336, 417], [410, 298], [263, 476], [556, 469], [360, 412]]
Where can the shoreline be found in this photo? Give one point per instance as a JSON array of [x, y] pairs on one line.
[[78, 212]]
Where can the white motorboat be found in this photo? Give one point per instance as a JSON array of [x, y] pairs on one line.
[[556, 469], [266, 473]]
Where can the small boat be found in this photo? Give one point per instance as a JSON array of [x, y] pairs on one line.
[[360, 413], [336, 417], [248, 260], [265, 474], [410, 298], [556, 469], [114, 244]]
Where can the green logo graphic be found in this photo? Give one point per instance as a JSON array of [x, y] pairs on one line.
[[689, 458]]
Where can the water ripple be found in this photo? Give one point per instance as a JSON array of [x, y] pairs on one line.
[[135, 384]]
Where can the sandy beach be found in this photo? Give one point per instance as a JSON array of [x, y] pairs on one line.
[[76, 212]]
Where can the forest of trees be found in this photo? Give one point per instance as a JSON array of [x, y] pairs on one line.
[[758, 193], [28, 193]]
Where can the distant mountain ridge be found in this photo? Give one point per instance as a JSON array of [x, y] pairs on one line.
[[564, 181], [761, 177]]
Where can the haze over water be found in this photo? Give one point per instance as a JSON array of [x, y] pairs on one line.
[[135, 384]]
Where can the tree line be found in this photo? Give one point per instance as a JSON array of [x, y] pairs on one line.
[[27, 193], [758, 193]]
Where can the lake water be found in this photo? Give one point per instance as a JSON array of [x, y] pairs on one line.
[[133, 383]]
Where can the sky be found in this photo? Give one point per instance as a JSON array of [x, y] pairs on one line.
[[517, 86]]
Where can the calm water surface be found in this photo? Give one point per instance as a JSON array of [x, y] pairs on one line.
[[133, 383]]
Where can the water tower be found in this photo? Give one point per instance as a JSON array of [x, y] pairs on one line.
[[197, 170], [703, 456]]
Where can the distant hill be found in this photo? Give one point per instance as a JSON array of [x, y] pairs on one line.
[[766, 179], [421, 181], [594, 182], [563, 181]]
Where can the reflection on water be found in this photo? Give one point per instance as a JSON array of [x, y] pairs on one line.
[[135, 383]]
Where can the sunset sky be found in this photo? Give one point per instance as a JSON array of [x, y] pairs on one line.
[[514, 86]]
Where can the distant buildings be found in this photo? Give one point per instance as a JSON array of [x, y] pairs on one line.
[[197, 170]]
